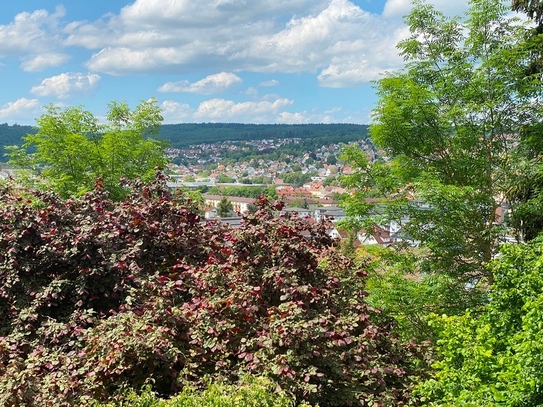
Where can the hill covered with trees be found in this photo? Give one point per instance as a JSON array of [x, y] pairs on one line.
[[182, 135], [186, 134], [13, 135]]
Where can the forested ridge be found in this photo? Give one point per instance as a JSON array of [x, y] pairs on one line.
[[13, 135], [186, 134]]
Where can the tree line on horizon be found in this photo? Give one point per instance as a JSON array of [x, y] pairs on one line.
[[183, 135]]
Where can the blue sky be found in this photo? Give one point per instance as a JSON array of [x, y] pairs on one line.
[[243, 61]]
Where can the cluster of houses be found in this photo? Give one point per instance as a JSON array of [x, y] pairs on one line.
[[322, 162], [330, 213]]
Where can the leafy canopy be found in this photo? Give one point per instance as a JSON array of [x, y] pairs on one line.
[[71, 149], [493, 356], [449, 127]]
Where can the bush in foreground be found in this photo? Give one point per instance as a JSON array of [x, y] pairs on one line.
[[493, 356], [255, 392], [98, 296]]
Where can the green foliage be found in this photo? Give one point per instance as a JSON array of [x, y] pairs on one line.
[[71, 149], [297, 178], [332, 160], [245, 191], [224, 207], [225, 179], [99, 297], [493, 356], [13, 135], [311, 137], [251, 392], [299, 203], [450, 124], [398, 285]]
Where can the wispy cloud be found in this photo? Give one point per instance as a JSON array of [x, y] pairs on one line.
[[210, 84], [270, 83], [36, 63], [20, 109]]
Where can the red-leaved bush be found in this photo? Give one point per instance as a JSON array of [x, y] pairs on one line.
[[98, 296]]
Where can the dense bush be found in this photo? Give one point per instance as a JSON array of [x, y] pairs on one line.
[[97, 297], [493, 356], [252, 392]]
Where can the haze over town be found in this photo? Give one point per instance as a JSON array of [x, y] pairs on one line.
[[259, 61]]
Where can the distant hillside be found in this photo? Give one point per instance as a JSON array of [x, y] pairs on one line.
[[183, 135], [12, 135]]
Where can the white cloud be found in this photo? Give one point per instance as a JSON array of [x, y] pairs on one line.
[[273, 82], [23, 110], [210, 84], [312, 117], [292, 118], [353, 46], [251, 91], [221, 110], [336, 76], [153, 36], [270, 109], [209, 13], [67, 85], [175, 112], [31, 35], [40, 62], [335, 39]]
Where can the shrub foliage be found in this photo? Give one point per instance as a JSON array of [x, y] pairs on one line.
[[99, 296]]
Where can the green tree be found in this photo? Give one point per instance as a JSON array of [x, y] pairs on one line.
[[224, 207], [450, 122], [527, 193], [214, 190], [297, 178], [225, 179], [493, 356], [71, 149]]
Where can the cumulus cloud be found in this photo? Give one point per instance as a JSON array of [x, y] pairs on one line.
[[313, 116], [153, 36], [251, 91], [210, 84], [224, 110], [175, 112], [22, 109], [67, 85], [269, 109], [36, 63], [292, 118], [31, 35], [337, 75], [335, 39], [220, 110], [210, 13]]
